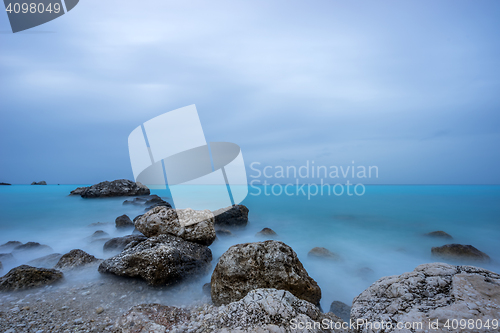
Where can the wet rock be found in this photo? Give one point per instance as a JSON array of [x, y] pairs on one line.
[[9, 246], [439, 234], [99, 224], [120, 243], [7, 257], [47, 261], [75, 259], [460, 252], [207, 289], [192, 225], [24, 277], [123, 222], [234, 216], [151, 318], [115, 188], [43, 182], [149, 202], [434, 291], [1, 266], [341, 310], [266, 232], [322, 253], [269, 264], [365, 273], [99, 234], [33, 246], [223, 233], [160, 260], [5, 184]]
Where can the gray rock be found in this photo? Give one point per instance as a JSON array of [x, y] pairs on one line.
[[431, 292], [233, 216], [1, 266], [322, 253], [439, 234], [269, 264], [75, 259], [341, 310], [223, 233], [151, 318], [9, 246], [266, 232], [25, 277], [47, 261], [160, 260], [115, 188], [123, 222], [33, 246], [149, 202], [458, 252], [99, 234], [43, 182], [120, 243], [192, 225]]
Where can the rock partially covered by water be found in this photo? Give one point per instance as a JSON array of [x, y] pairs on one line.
[[74, 259], [7, 257], [123, 221], [322, 253], [47, 261], [115, 188], [434, 291], [150, 202], [43, 182], [160, 260], [232, 216], [192, 225], [267, 232], [269, 264], [341, 310], [460, 252], [24, 277], [120, 243], [439, 234], [9, 246], [33, 246], [151, 318], [5, 183]]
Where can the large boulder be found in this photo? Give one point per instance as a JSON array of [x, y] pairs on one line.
[[232, 216], [115, 188], [269, 264], [260, 311], [432, 292], [123, 221], [43, 182], [192, 225], [24, 277], [160, 260], [458, 252], [76, 259], [120, 243], [47, 261]]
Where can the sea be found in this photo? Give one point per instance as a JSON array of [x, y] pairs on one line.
[[377, 234]]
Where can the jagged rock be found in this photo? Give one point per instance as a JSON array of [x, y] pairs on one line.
[[192, 225], [43, 182], [341, 310], [160, 260], [236, 216], [266, 232], [75, 259], [120, 243], [321, 252], [24, 277], [115, 188], [47, 261], [260, 311], [431, 292], [269, 264], [9, 246], [459, 252], [33, 246], [123, 222], [439, 234]]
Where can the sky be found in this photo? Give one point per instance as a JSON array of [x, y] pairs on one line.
[[412, 87]]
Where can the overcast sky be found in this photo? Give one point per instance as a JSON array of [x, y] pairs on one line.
[[412, 87]]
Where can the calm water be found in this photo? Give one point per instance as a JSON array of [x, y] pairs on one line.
[[376, 235]]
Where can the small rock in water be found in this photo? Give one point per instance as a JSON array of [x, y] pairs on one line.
[[321, 252], [266, 232], [75, 258], [460, 252], [439, 234], [123, 221]]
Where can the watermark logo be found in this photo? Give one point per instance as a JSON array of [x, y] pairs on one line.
[[171, 149], [26, 14]]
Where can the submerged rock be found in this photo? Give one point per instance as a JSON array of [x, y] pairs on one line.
[[7, 257], [9, 246], [33, 246], [150, 202], [266, 232], [192, 225], [207, 289], [322, 253], [234, 216], [434, 291], [439, 234], [43, 182], [123, 221], [223, 233], [160, 260], [47, 261], [75, 259], [115, 188], [24, 277], [341, 310], [99, 234], [460, 252], [269, 264], [120, 243]]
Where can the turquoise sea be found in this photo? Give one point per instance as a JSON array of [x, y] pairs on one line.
[[377, 234]]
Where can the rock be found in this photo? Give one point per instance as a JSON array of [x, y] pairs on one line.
[[99, 310], [99, 234], [47, 261], [150, 202], [439, 234], [120, 243], [160, 260], [116, 188], [151, 318], [5, 184], [365, 273], [1, 266], [136, 218], [269, 264], [236, 216], [43, 182], [33, 246], [24, 277], [434, 291], [266, 232], [223, 233], [192, 225], [75, 259], [98, 224], [207, 289], [459, 252], [9, 246], [7, 257], [321, 252], [123, 222], [341, 310]]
